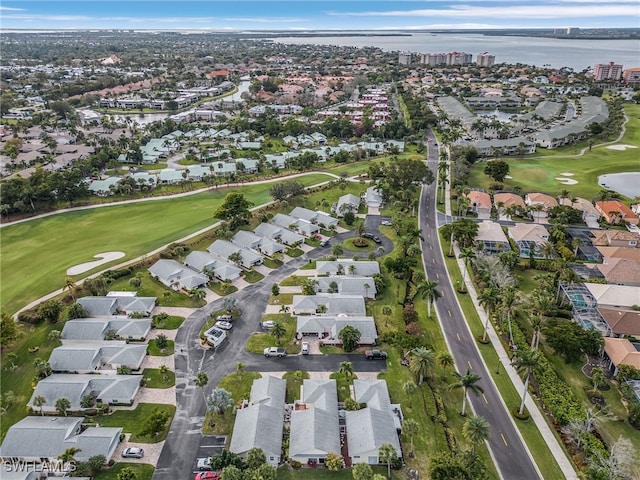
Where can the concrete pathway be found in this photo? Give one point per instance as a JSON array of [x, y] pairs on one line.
[[175, 311], [151, 451], [291, 289], [263, 269], [153, 361]]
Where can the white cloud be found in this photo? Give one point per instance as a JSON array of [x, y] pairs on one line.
[[11, 9], [510, 12]]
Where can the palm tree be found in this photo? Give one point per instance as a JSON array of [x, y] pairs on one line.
[[410, 428], [445, 359], [386, 311], [69, 454], [164, 370], [421, 362], [488, 299], [337, 250], [278, 330], [427, 290], [63, 405], [201, 381], [466, 254], [468, 383], [409, 388], [39, 401], [346, 369], [198, 294], [476, 430], [387, 454], [70, 285], [525, 360], [597, 377], [508, 302]]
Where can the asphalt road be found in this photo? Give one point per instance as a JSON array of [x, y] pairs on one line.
[[507, 448], [185, 442]]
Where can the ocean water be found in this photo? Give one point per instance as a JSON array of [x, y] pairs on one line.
[[576, 54]]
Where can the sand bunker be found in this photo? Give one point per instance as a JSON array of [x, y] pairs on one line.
[[85, 267], [567, 181], [508, 176], [567, 174], [620, 147]]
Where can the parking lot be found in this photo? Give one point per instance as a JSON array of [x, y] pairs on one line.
[[210, 445]]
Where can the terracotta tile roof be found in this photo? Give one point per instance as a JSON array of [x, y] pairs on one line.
[[480, 199], [622, 352], [508, 199], [620, 270], [620, 252], [541, 198], [622, 322], [605, 237], [607, 206]]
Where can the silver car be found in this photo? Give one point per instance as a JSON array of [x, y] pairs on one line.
[[305, 348]]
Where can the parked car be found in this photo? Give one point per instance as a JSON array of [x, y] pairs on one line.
[[204, 463], [268, 325], [224, 318], [386, 223], [208, 476], [375, 355], [305, 348], [133, 452], [224, 325], [324, 242], [377, 239], [368, 235], [275, 352]]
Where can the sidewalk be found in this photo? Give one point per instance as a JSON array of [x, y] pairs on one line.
[[541, 423]]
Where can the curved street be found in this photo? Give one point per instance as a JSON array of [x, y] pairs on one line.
[[510, 454]]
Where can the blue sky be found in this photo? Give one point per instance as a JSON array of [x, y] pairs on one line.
[[317, 15]]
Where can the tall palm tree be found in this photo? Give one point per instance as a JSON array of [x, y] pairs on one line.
[[508, 303], [421, 362], [409, 387], [467, 382], [466, 254], [526, 360], [488, 299], [278, 330], [70, 285], [386, 311], [346, 369], [410, 428], [476, 430], [445, 359], [427, 289], [387, 454]]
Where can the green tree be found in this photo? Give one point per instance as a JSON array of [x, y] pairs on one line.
[[597, 377], [225, 459], [497, 169], [334, 462], [428, 290], [445, 465], [201, 381], [466, 254], [161, 341], [409, 387], [219, 401], [62, 406], [39, 401], [362, 471], [278, 331], [410, 428], [526, 361], [475, 430], [386, 311], [421, 361], [337, 250], [346, 370], [231, 472], [155, 423], [445, 359], [69, 454], [54, 336], [50, 311], [387, 454], [87, 401], [488, 298], [127, 473], [235, 210], [275, 290], [77, 311], [9, 330], [255, 458], [467, 382], [350, 338]]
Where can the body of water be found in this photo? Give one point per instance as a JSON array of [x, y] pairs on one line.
[[577, 54], [628, 183]]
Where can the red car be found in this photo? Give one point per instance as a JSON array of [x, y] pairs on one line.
[[208, 476]]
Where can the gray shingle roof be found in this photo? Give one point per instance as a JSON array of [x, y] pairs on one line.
[[258, 426], [90, 356], [372, 392], [314, 431], [95, 328], [335, 304], [362, 267], [348, 284], [99, 306], [368, 429]]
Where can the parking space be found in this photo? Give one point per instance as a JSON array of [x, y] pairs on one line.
[[210, 445]]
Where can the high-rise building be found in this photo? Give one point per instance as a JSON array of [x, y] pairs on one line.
[[459, 58], [404, 58], [485, 60], [632, 75], [433, 59], [607, 71]]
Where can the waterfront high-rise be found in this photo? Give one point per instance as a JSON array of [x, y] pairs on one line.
[[607, 71]]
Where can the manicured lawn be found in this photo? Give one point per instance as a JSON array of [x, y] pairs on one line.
[[538, 173], [271, 263], [151, 287], [343, 385], [132, 421], [349, 245], [223, 289], [153, 378], [252, 276], [259, 341], [155, 351], [143, 471], [294, 382], [282, 299], [32, 266], [239, 385], [321, 473], [294, 252], [171, 323]]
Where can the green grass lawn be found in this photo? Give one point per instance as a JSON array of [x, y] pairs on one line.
[[252, 276], [172, 323], [321, 473], [223, 289], [271, 263], [132, 421], [537, 173], [282, 299], [157, 352], [294, 252], [151, 287], [143, 471], [343, 384], [348, 244], [259, 341], [32, 266], [294, 382], [153, 378]]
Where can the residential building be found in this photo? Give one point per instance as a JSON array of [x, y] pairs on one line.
[[226, 250], [346, 203], [614, 211], [37, 438], [485, 60], [621, 271], [614, 296], [607, 71], [530, 237], [620, 351], [177, 276], [91, 357], [327, 328], [508, 200], [322, 219], [492, 238], [404, 58], [301, 226], [275, 232], [328, 304], [315, 430], [373, 197], [117, 302], [622, 322], [346, 285], [208, 264], [265, 246], [480, 204], [632, 75], [120, 327], [616, 238], [590, 215], [259, 423]]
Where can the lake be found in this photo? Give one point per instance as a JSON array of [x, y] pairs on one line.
[[628, 183], [577, 54]]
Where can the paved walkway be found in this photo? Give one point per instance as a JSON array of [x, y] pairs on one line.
[[175, 311], [151, 451], [153, 361], [505, 359], [291, 288]]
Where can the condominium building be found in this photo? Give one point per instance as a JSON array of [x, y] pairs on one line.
[[459, 58], [485, 60], [404, 58], [451, 58], [607, 71], [433, 59], [632, 75]]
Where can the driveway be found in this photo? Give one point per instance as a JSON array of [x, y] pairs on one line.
[[371, 225]]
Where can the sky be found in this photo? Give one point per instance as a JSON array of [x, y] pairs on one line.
[[300, 15]]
